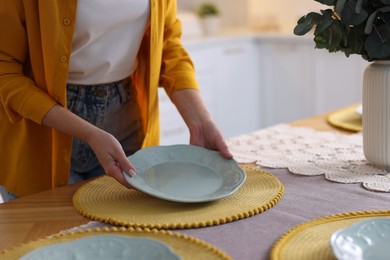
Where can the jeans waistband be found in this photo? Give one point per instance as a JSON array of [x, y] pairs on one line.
[[105, 90]]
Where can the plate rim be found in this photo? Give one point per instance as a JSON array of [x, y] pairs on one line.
[[159, 195]]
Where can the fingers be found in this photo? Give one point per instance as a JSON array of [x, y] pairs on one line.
[[111, 156], [116, 172], [223, 148], [116, 164], [212, 141], [125, 165], [218, 145]]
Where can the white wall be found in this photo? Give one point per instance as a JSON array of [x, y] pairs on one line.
[[238, 13], [234, 12], [284, 12]]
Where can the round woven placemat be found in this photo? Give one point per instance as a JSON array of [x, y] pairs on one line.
[[185, 246], [105, 200], [311, 240], [346, 119]]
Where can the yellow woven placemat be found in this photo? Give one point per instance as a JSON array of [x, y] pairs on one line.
[[347, 119], [105, 200], [311, 240], [185, 246]]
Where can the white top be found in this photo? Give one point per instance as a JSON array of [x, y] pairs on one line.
[[106, 40]]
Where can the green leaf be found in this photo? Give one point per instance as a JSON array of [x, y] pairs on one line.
[[350, 17], [306, 23], [325, 22], [378, 43], [370, 22], [321, 42], [372, 18], [340, 5], [358, 7], [327, 2], [355, 41], [385, 17], [337, 37], [331, 38]]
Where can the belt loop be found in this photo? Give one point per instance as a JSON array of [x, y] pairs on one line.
[[80, 97]]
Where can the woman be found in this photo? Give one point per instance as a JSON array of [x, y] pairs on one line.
[[77, 72]]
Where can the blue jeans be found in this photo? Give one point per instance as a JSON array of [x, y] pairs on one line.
[[111, 107]]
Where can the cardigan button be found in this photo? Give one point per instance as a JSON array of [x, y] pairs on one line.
[[63, 59], [66, 22]]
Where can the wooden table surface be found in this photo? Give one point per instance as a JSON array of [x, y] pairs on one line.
[[49, 212]]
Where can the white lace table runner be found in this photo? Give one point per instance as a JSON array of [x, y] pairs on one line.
[[306, 151]]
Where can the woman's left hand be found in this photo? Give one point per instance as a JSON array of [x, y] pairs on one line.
[[203, 131], [207, 135]]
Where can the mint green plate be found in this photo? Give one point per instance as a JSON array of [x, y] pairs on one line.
[[105, 247], [367, 239], [185, 173]]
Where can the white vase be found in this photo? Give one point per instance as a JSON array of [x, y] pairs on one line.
[[376, 113]]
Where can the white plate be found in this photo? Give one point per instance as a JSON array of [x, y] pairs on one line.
[[367, 239], [105, 247], [185, 173]]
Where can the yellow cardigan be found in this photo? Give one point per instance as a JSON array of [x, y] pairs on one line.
[[34, 55]]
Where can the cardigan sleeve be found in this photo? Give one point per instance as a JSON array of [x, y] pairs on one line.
[[177, 69], [20, 97]]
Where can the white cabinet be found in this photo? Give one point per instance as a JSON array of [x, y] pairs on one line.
[[287, 81], [172, 128], [339, 80], [227, 72], [237, 102], [300, 81]]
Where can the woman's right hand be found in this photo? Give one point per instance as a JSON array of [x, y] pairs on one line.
[[106, 147], [111, 156]]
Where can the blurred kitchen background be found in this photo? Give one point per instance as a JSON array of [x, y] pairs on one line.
[[255, 73], [282, 14]]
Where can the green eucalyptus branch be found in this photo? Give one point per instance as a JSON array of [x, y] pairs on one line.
[[359, 27]]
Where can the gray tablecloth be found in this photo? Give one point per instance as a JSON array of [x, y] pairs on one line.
[[305, 198]]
